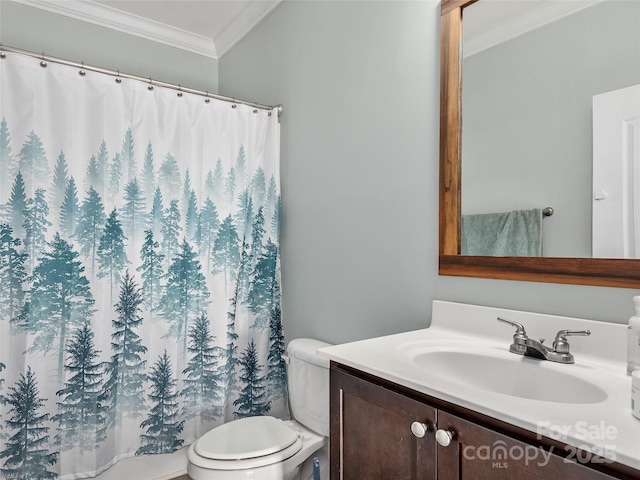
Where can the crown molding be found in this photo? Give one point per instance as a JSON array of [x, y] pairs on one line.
[[516, 25], [105, 16], [243, 23]]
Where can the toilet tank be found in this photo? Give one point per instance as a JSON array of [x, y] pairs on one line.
[[308, 379]]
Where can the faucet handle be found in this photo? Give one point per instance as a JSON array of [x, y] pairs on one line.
[[561, 345], [520, 332]]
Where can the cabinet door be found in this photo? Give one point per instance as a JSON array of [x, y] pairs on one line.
[[478, 453], [371, 435]]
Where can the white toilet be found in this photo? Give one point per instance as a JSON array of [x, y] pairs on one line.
[[266, 448]]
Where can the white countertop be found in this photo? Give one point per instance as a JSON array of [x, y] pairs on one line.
[[605, 427]]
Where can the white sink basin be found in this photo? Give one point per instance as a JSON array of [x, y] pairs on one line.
[[510, 374]]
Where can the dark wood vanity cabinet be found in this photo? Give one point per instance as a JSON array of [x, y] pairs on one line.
[[480, 453], [371, 434], [372, 439]]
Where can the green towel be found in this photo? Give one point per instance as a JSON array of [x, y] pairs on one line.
[[515, 233]]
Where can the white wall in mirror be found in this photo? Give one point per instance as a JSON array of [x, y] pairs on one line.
[[527, 119], [616, 173]]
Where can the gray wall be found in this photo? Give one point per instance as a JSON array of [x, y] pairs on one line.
[[359, 159], [527, 126], [359, 83], [39, 31]]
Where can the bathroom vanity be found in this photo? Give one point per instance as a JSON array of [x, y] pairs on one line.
[[451, 401]]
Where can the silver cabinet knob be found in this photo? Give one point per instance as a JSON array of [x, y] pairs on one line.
[[419, 429], [444, 437]]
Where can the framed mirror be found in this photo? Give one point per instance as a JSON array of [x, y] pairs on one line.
[[572, 268]]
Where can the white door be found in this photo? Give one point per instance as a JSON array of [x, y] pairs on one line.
[[616, 174]]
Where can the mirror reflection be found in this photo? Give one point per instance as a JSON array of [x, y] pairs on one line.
[[541, 79]]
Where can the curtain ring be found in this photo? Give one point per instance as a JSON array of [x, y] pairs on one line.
[[150, 87], [179, 90], [43, 64], [206, 98], [233, 105], [82, 73]]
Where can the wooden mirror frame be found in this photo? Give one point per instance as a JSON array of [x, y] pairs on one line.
[[580, 271]]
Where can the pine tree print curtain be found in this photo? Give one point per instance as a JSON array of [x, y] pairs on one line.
[[139, 269]]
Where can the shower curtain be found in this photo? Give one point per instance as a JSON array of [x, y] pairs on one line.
[[139, 268]]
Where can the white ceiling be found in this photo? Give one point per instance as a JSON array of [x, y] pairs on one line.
[[490, 22], [205, 27], [206, 18]]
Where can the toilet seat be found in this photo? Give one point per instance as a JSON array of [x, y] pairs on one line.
[[246, 443]]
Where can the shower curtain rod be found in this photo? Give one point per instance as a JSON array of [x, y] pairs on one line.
[[118, 74]]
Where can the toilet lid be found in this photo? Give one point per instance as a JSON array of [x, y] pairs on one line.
[[246, 438]]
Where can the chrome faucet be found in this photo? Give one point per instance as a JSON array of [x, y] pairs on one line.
[[558, 352]]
